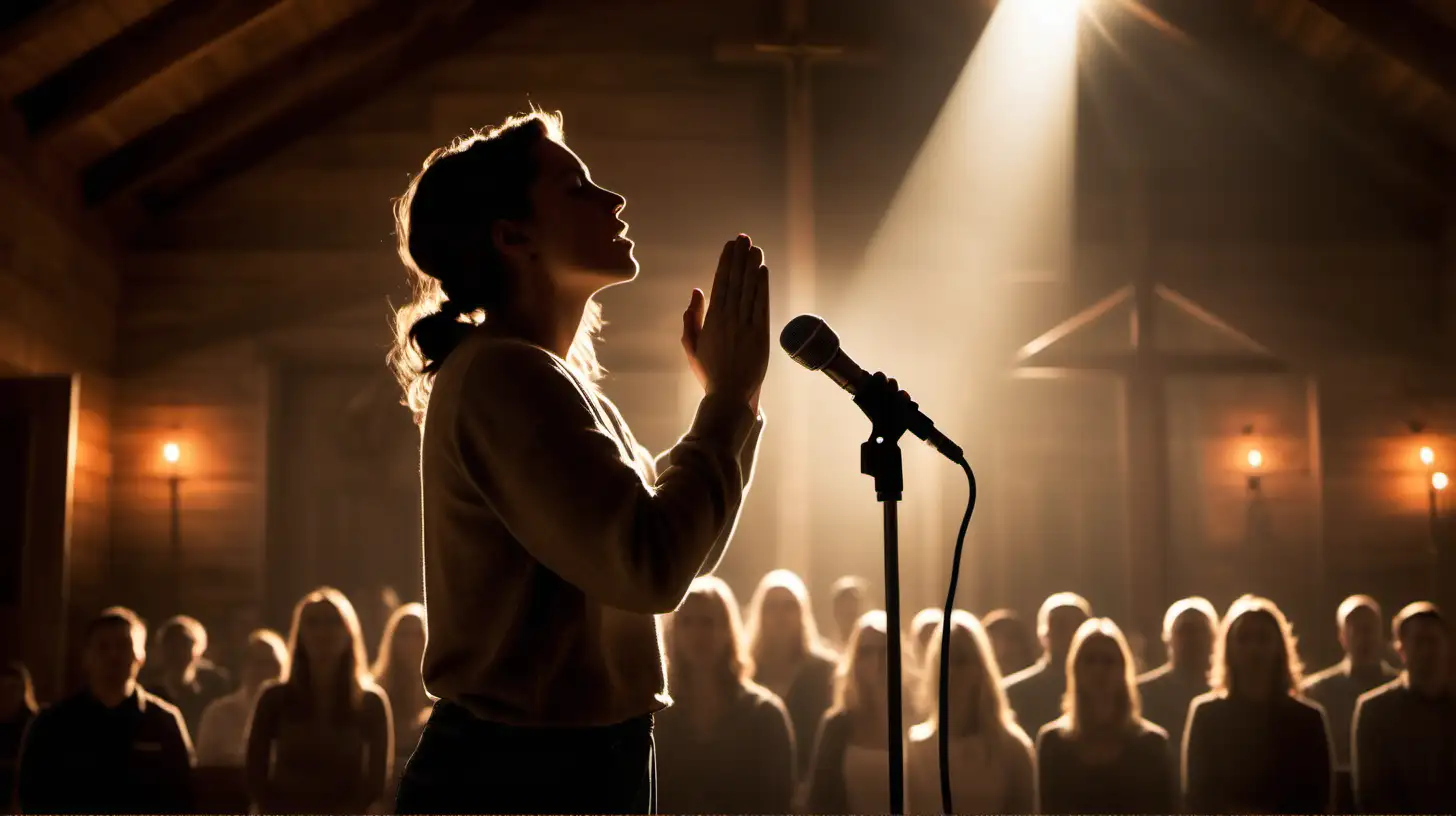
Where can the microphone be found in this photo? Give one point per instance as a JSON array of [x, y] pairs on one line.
[[815, 346]]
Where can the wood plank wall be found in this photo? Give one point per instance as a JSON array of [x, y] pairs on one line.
[[58, 303]]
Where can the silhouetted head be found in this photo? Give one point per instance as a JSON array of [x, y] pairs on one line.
[[499, 219], [977, 701], [1014, 642], [402, 646], [181, 642], [114, 646], [1361, 633], [706, 637], [17, 692], [1256, 656], [1423, 638], [1101, 679], [781, 620], [848, 598], [923, 627], [1189, 629], [1057, 622], [265, 660], [325, 641], [860, 680]]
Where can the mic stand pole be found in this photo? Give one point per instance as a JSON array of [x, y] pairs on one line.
[[879, 457]]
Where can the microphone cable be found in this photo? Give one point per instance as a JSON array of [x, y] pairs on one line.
[[943, 702]]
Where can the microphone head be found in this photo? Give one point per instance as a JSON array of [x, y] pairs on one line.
[[809, 341]]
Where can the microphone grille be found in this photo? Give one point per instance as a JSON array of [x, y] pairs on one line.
[[809, 341]]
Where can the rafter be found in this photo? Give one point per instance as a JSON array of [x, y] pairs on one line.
[[428, 38], [1233, 47], [1405, 32], [287, 81], [140, 52]]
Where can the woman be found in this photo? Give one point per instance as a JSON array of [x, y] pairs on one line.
[[850, 771], [321, 739], [222, 738], [1101, 756], [17, 709], [725, 745], [789, 657], [1252, 744], [551, 538], [397, 673], [990, 756]]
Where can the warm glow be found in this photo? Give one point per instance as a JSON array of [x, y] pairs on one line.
[[1256, 458], [172, 453], [1439, 481], [1059, 13], [1428, 456]]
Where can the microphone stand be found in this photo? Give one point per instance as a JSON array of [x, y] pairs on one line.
[[879, 457]]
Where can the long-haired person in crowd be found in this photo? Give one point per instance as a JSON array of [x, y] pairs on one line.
[[551, 538], [1253, 745], [222, 738], [725, 745], [1014, 642], [1101, 756], [850, 768], [182, 675], [397, 673], [113, 747], [321, 739], [1405, 731], [17, 708], [992, 770], [1036, 692], [1362, 635], [1189, 628], [849, 598], [789, 657]]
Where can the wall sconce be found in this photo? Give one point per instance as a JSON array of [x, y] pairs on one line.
[[1428, 456], [1255, 460]]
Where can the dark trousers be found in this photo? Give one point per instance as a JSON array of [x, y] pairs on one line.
[[463, 764]]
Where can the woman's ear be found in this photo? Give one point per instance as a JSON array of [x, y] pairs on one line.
[[511, 239]]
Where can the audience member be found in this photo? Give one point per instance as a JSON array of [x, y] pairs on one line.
[[1036, 692], [114, 747], [222, 738], [789, 658], [1189, 628]]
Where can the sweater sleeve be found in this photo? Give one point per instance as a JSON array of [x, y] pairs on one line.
[[564, 487], [747, 458]]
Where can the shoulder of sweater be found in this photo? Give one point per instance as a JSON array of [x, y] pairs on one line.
[[759, 700], [159, 709], [1382, 696], [1156, 675], [1148, 731], [1034, 673], [1325, 676]]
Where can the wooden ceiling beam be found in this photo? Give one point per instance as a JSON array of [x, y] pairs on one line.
[[426, 40], [1236, 50], [1404, 31], [141, 51], [295, 75]]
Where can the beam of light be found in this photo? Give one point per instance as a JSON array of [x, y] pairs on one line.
[[987, 200]]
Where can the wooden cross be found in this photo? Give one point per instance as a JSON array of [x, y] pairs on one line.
[[1145, 371], [798, 54]]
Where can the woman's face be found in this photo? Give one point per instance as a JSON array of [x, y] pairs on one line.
[[1100, 672], [1253, 650], [409, 641], [574, 232], [781, 623], [965, 676], [700, 637], [871, 656], [322, 634]]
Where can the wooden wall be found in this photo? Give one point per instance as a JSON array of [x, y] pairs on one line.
[[58, 305]]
